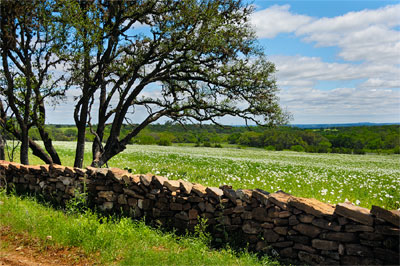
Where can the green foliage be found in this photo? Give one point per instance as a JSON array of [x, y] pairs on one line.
[[297, 148], [164, 142]]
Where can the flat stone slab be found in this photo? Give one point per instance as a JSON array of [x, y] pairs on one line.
[[244, 194], [214, 192], [355, 213], [280, 199], [261, 195], [186, 186], [199, 189], [312, 206], [159, 181], [230, 194], [117, 174], [392, 216], [146, 179], [172, 185]]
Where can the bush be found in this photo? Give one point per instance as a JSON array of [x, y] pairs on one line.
[[207, 144], [270, 148], [164, 142], [297, 148], [217, 145]]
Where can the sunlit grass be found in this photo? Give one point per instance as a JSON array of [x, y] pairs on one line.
[[122, 241]]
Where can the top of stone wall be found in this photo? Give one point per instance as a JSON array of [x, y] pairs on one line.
[[281, 199]]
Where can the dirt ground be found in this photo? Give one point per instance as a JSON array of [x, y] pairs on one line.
[[22, 250]]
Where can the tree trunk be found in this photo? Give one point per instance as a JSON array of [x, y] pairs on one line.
[[112, 148], [39, 152], [80, 144], [48, 144], [2, 143], [24, 146]]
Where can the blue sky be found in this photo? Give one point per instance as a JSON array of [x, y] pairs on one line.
[[337, 61]]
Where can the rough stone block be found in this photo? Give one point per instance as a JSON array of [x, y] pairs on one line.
[[339, 236], [122, 199], [199, 189], [358, 250], [230, 194], [283, 244], [304, 248], [193, 214], [300, 239], [311, 258], [288, 253], [306, 218], [186, 187], [244, 194], [270, 236], [214, 192], [351, 228], [371, 236], [158, 181], [392, 216], [260, 214], [175, 206], [387, 230], [108, 195], [132, 193], [280, 199], [324, 244], [172, 185], [312, 206], [146, 179], [333, 226], [261, 196], [281, 230], [308, 230], [355, 213], [389, 256], [182, 216], [251, 228]]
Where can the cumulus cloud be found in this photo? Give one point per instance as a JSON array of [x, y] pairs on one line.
[[369, 44], [277, 19]]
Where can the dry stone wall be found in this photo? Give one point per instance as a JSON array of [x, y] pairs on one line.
[[301, 229]]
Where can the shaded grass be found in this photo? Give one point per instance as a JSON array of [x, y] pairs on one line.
[[116, 240]]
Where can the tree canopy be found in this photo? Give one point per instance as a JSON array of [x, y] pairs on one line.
[[185, 60]]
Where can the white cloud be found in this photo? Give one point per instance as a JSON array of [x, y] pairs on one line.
[[276, 19], [369, 37]]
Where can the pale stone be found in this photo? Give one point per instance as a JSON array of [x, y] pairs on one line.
[[312, 206], [199, 189], [185, 186], [172, 185], [146, 179], [280, 199]]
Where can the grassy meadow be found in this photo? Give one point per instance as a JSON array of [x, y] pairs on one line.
[[362, 179]]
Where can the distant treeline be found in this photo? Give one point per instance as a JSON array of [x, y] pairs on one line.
[[358, 139]]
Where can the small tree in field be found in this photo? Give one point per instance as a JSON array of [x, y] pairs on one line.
[[202, 55]]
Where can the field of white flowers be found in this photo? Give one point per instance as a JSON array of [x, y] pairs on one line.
[[362, 179]]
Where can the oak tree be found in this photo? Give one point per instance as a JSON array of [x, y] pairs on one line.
[[190, 60]]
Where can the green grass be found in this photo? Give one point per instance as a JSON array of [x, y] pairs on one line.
[[363, 179], [122, 240]]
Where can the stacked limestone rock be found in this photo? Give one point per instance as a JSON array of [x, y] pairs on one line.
[[297, 228]]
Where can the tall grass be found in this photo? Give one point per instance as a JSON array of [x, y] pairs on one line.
[[119, 240]]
